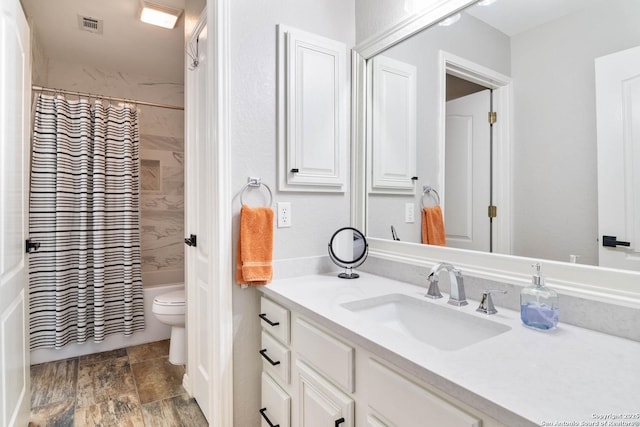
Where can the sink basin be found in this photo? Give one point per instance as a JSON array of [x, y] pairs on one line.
[[442, 327]]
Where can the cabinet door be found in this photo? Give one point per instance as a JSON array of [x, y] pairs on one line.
[[313, 116], [321, 404], [276, 404], [393, 150]]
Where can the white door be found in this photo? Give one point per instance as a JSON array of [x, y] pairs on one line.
[[467, 172], [199, 211], [618, 120], [15, 96]]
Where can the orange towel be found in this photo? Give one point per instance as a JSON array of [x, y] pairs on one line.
[[255, 246], [433, 226]]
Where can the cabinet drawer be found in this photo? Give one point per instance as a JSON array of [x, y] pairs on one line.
[[404, 403], [275, 319], [276, 403], [275, 357], [330, 356]]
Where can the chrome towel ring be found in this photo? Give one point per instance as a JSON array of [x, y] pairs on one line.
[[427, 189], [254, 182]]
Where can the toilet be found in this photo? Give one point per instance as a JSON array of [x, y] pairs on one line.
[[169, 308]]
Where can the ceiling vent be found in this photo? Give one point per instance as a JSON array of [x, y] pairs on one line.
[[90, 24]]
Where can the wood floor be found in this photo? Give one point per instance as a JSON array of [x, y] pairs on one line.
[[134, 386]]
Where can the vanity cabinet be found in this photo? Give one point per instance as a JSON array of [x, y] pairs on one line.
[[323, 380]]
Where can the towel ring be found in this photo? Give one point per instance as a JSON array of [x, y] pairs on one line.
[[255, 182], [427, 189]]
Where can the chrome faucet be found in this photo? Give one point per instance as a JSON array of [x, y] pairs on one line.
[[456, 295]]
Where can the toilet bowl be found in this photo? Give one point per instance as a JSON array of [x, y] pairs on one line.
[[170, 309]]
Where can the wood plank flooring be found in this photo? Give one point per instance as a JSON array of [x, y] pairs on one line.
[[132, 387]]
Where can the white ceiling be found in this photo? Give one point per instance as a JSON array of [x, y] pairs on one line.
[[517, 16], [126, 45]]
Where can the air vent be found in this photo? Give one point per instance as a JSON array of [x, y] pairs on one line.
[[90, 24]]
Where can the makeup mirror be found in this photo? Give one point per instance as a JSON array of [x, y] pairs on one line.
[[348, 249]]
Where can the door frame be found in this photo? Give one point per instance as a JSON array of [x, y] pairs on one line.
[[501, 156], [220, 269]]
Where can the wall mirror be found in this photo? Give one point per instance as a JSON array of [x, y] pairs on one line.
[[533, 63]]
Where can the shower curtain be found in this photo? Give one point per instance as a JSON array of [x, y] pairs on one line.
[[85, 280]]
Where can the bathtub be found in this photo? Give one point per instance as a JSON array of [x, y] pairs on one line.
[[154, 331]]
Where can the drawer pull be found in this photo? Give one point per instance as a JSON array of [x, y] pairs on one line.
[[339, 421], [263, 353], [263, 316], [262, 412]]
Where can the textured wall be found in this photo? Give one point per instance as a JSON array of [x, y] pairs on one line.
[[161, 145], [315, 216]]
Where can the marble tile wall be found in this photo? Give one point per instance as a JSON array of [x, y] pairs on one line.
[[162, 207]]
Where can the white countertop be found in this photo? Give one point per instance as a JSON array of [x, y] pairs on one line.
[[520, 377]]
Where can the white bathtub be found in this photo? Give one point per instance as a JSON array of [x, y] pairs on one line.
[[154, 331]]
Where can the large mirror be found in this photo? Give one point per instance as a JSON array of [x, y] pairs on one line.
[[524, 183]]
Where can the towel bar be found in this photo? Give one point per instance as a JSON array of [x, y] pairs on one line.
[[255, 182], [427, 189]]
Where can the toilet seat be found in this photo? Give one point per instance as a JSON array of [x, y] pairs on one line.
[[170, 303]]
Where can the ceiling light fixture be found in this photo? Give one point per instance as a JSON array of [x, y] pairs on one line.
[[161, 16]]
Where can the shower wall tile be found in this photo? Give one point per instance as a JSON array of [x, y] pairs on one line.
[[150, 175], [162, 143]]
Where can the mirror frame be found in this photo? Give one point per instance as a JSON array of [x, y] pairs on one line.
[[579, 280]]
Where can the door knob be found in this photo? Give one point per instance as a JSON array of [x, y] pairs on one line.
[[191, 241], [612, 242]]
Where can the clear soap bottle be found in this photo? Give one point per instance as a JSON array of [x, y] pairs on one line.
[[539, 304]]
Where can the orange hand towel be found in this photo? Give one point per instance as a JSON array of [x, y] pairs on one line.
[[255, 246], [433, 226]]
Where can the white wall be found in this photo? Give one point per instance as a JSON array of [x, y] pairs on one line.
[[471, 39], [554, 165], [253, 146]]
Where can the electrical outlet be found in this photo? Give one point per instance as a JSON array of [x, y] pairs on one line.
[[409, 213], [284, 214]]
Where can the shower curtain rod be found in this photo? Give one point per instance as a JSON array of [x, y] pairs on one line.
[[108, 98]]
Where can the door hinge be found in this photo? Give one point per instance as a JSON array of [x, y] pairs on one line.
[[493, 211], [493, 117]]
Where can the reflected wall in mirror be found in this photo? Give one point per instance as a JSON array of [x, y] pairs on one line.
[[543, 55]]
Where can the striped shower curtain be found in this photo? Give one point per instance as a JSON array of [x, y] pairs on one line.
[[85, 280]]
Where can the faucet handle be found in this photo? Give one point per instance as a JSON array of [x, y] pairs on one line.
[[486, 305], [434, 290]]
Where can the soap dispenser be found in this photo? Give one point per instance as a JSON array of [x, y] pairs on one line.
[[539, 304]]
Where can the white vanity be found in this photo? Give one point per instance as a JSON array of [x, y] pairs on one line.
[[337, 365]]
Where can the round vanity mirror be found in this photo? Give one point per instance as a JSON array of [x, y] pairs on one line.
[[348, 249]]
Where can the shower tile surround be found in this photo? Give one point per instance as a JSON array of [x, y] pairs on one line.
[[134, 386], [161, 155], [598, 316], [161, 204]]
